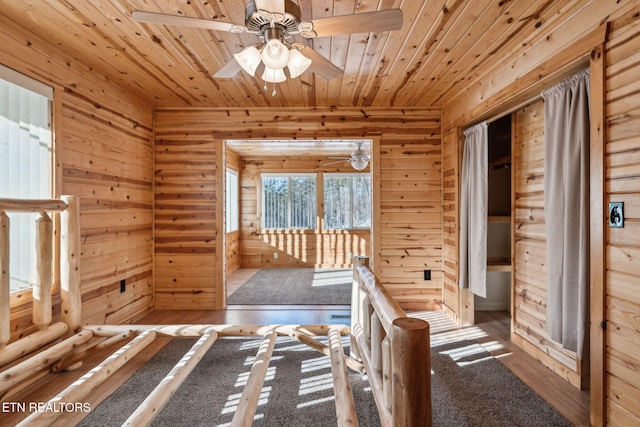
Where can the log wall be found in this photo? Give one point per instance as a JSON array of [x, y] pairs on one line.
[[408, 206], [103, 145], [622, 251], [615, 383], [295, 248]]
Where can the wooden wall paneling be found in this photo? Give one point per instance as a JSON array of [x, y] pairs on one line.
[[103, 141], [618, 387], [450, 197], [407, 131], [186, 233]]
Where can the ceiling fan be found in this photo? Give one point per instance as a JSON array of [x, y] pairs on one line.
[[275, 23], [359, 158]]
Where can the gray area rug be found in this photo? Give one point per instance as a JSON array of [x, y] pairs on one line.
[[298, 390], [296, 286], [469, 388], [472, 388]]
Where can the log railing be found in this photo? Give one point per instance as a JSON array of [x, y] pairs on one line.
[[394, 349], [69, 243]]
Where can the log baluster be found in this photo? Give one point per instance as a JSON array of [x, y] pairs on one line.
[[43, 268], [70, 264]]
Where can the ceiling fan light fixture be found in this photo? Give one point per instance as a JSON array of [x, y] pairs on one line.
[[273, 75], [249, 59], [298, 63], [359, 164], [275, 54]]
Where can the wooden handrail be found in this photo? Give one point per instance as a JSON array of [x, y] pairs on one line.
[[32, 205], [394, 346]]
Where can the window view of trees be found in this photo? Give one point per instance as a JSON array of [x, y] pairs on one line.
[[347, 201], [289, 201]]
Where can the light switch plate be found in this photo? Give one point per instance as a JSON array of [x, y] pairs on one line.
[[616, 214]]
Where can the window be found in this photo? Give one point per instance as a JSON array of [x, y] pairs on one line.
[[231, 201], [25, 162], [289, 201], [347, 201]]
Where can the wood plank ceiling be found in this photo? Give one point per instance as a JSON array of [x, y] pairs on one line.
[[442, 45]]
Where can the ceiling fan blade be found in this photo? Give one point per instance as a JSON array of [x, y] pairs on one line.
[[320, 65], [228, 70], [184, 21], [275, 6], [335, 163], [367, 22]]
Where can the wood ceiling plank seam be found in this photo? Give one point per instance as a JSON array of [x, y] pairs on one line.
[[401, 39], [355, 53], [126, 46], [339, 50], [491, 47], [322, 45], [198, 35], [108, 65], [406, 47], [532, 48], [437, 58], [449, 18]]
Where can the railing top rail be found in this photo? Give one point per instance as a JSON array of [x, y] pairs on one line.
[[32, 205], [387, 308]]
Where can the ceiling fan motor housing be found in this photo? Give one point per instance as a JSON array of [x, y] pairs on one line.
[[257, 20]]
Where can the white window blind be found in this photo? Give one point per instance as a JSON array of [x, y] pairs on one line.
[[347, 201], [25, 162], [289, 201]]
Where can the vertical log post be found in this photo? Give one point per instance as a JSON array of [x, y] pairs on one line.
[[378, 334], [411, 385], [70, 264], [5, 279], [44, 262], [387, 373], [357, 296]]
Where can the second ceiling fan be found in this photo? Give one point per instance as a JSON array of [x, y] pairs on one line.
[[275, 23]]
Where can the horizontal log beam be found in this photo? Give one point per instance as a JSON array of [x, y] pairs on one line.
[[345, 405], [187, 330], [13, 375], [248, 404], [323, 348], [159, 397], [77, 391], [31, 342], [32, 205]]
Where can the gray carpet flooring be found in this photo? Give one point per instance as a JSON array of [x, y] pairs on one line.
[[469, 388], [296, 286]]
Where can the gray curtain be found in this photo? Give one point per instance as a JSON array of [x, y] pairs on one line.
[[566, 201], [473, 210]]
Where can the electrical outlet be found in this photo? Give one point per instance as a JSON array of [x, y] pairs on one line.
[[275, 255], [123, 285], [427, 274], [350, 255]]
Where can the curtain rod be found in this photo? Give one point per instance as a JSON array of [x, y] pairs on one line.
[[513, 109]]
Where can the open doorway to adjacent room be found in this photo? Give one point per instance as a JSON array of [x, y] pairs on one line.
[[296, 214]]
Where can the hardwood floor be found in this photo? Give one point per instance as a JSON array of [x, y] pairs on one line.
[[492, 330]]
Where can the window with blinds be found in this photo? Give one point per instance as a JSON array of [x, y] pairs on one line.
[[289, 201], [347, 201], [25, 162]]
